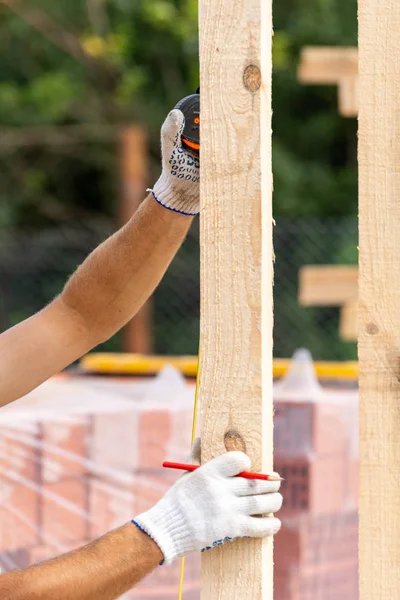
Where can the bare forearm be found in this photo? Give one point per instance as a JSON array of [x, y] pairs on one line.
[[120, 275], [103, 570], [102, 296], [37, 348]]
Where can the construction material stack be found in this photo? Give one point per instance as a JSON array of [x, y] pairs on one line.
[[316, 451]]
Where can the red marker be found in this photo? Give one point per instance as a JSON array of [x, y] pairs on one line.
[[244, 474]]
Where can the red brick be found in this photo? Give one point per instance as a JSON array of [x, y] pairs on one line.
[[64, 505], [19, 452], [312, 451], [64, 449], [41, 553], [316, 558], [154, 437], [302, 427], [318, 484], [149, 488], [15, 559], [110, 506], [114, 443], [19, 508]]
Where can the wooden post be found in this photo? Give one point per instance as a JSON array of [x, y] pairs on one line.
[[134, 175], [236, 266], [379, 294]]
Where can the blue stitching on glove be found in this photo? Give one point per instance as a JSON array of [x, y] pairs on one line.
[[145, 532], [173, 209], [218, 543]]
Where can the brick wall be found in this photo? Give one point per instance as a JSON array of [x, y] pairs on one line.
[[316, 551], [66, 480]]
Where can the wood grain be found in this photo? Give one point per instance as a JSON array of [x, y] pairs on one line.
[[236, 264], [379, 293]]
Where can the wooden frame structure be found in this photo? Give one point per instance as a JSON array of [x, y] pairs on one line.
[[332, 285], [236, 275], [379, 295], [236, 265], [333, 66]]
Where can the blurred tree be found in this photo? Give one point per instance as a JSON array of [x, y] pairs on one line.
[[71, 73], [65, 67], [104, 62]]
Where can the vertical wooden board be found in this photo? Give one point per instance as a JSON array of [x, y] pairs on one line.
[[236, 264], [379, 294], [348, 324], [134, 175], [348, 97]]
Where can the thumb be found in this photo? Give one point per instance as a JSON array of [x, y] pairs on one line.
[[171, 133]]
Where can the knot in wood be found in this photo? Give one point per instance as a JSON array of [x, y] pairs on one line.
[[372, 329], [252, 78], [234, 441]]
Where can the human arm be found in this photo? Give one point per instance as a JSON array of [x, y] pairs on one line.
[[108, 288], [102, 570], [201, 510]]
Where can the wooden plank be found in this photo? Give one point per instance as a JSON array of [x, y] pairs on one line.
[[327, 285], [236, 264], [327, 65], [349, 321], [379, 338], [348, 97], [134, 175]]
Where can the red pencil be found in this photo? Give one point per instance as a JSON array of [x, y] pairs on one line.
[[244, 474]]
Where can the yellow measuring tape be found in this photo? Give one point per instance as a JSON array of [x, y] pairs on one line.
[[194, 427]]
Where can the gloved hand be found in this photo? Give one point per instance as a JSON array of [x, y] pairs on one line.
[[210, 506], [178, 188]]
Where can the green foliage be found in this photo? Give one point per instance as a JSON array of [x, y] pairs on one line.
[[108, 62], [113, 61]]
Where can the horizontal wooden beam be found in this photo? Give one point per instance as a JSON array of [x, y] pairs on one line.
[[333, 66], [328, 285], [327, 65]]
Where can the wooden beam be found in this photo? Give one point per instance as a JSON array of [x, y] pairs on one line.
[[379, 290], [134, 175], [349, 321], [348, 97], [333, 66], [236, 265], [327, 65], [327, 285]]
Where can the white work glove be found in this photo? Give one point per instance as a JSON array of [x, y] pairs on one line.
[[178, 188], [210, 506]]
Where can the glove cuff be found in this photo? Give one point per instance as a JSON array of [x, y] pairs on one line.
[[178, 200], [167, 530]]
